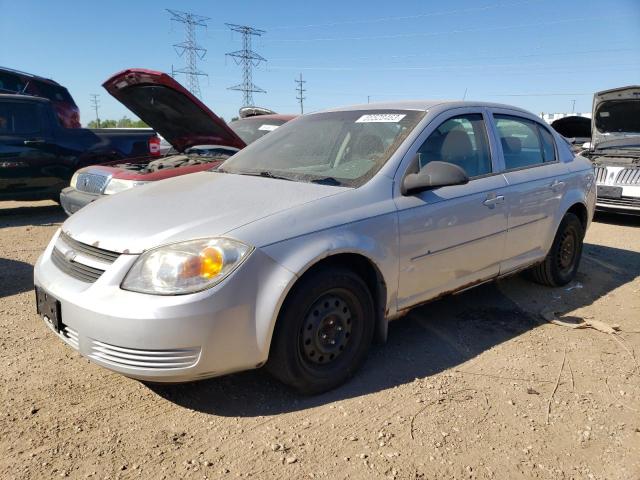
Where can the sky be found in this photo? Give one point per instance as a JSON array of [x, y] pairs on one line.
[[542, 55]]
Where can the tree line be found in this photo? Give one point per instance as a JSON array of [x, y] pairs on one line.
[[124, 122]]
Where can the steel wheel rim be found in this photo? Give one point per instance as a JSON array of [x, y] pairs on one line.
[[567, 251], [326, 330]]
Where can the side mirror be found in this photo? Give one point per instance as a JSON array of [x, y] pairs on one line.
[[434, 174]]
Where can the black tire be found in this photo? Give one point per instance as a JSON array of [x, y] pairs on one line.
[[562, 262], [323, 332]]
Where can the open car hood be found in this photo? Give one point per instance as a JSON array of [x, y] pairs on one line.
[[170, 109], [616, 115]]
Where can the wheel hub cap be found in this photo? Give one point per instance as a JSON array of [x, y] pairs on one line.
[[567, 251]]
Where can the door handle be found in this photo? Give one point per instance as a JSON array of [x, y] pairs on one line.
[[493, 200], [557, 185], [34, 141]]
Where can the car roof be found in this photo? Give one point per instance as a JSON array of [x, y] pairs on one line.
[[29, 75], [423, 105]]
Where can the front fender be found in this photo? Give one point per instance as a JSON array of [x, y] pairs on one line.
[[374, 238]]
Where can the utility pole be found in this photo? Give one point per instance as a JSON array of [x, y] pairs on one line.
[[248, 59], [573, 106], [190, 47], [95, 103], [301, 91], [368, 98]]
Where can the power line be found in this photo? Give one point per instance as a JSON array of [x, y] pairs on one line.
[[449, 32], [301, 91], [407, 17], [95, 104], [248, 59], [190, 47]]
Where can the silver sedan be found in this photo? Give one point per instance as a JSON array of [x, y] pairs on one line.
[[298, 251]]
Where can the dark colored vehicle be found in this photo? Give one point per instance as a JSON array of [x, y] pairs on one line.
[[575, 129], [200, 139], [38, 156], [14, 81]]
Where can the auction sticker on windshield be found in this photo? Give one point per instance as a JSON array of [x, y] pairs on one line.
[[381, 118], [268, 128]]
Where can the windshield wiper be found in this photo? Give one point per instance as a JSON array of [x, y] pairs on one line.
[[263, 173], [327, 181]]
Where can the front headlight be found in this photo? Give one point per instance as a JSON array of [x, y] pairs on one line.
[[117, 185], [74, 180], [185, 267]]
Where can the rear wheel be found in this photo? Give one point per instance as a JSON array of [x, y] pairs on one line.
[[323, 332], [561, 263]]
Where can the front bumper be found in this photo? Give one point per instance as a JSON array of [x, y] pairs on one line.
[[73, 200], [169, 338], [628, 202]]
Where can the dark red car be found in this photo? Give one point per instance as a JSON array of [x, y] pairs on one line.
[[15, 81], [200, 139]]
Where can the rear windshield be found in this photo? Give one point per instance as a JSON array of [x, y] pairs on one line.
[[10, 83], [54, 93], [250, 130], [618, 116], [337, 148]]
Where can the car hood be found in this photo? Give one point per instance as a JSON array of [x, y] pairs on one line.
[[199, 205], [616, 115], [170, 109]]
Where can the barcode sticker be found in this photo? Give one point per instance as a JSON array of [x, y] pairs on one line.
[[268, 128], [381, 118]]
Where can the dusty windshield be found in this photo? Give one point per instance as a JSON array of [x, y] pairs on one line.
[[336, 148]]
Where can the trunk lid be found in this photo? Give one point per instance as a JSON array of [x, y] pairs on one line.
[[170, 109], [616, 116]]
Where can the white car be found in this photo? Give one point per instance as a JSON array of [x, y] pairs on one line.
[[302, 247]]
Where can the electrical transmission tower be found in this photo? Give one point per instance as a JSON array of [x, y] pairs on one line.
[[301, 91], [190, 48], [248, 59], [95, 103]]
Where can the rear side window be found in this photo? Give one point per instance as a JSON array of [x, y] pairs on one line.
[[521, 143], [548, 145], [52, 92], [19, 119], [462, 141]]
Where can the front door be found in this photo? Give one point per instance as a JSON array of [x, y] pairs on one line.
[[453, 236]]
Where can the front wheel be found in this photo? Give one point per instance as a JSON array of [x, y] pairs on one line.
[[323, 332], [561, 263]]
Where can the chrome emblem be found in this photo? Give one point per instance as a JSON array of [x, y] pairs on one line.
[[70, 255]]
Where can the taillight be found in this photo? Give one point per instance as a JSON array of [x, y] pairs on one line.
[[154, 146]]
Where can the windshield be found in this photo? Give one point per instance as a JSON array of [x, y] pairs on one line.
[[250, 130], [337, 148]]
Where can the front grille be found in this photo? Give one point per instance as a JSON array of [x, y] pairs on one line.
[[91, 182], [601, 174], [150, 359], [89, 250], [74, 269], [628, 176], [622, 201]]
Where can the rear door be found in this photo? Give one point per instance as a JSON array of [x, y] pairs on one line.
[[536, 184], [452, 236], [28, 155]]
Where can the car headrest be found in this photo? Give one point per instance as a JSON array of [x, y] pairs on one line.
[[511, 145], [456, 144]]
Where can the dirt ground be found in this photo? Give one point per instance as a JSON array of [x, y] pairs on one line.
[[476, 385]]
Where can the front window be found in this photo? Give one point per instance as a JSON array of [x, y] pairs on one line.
[[336, 148], [462, 141]]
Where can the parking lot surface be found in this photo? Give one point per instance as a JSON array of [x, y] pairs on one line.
[[477, 385]]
